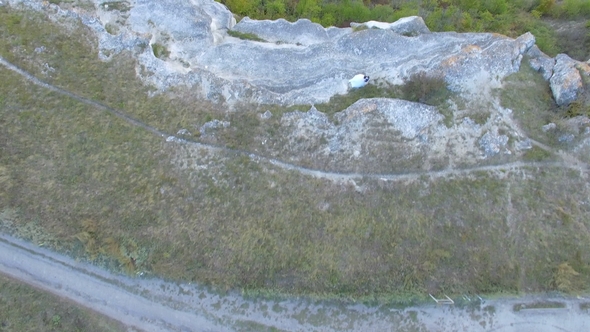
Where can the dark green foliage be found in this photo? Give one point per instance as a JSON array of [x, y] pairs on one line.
[[577, 108], [425, 88], [160, 51]]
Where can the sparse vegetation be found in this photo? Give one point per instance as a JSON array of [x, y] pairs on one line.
[[373, 90], [528, 95]]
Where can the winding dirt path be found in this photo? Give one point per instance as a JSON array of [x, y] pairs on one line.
[[572, 162]]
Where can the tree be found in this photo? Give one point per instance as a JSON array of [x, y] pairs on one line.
[[308, 8], [242, 7], [276, 9]]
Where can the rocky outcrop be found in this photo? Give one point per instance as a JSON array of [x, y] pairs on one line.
[[301, 62], [371, 131], [566, 81]]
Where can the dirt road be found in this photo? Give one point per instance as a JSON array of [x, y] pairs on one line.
[[157, 305]]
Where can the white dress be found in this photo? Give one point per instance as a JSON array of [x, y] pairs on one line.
[[358, 81]]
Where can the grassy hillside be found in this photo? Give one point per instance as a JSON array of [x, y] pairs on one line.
[[83, 181]]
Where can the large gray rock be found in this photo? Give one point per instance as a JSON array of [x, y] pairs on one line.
[[541, 62], [566, 81]]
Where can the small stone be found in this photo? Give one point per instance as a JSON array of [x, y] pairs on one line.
[[184, 132], [213, 124], [266, 115], [492, 143], [524, 145], [549, 126]]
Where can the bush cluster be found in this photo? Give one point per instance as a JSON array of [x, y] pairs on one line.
[[428, 89]]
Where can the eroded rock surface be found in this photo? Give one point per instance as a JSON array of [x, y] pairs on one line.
[[384, 135], [566, 81]]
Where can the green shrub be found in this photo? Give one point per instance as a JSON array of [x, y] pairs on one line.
[[546, 6], [245, 36], [160, 51], [577, 108], [424, 88]]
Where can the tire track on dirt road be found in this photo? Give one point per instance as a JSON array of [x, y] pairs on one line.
[[93, 288]]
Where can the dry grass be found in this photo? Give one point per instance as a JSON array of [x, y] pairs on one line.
[[88, 183]]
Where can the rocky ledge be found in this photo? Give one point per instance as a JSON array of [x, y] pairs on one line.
[[199, 44]]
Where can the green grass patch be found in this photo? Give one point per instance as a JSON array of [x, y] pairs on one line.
[[431, 90], [245, 36], [160, 51], [536, 154], [25, 308]]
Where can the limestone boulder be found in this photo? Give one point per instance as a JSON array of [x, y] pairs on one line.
[[541, 62], [566, 82]]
